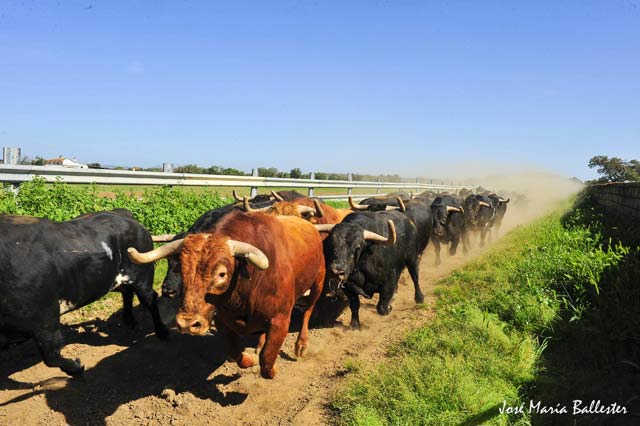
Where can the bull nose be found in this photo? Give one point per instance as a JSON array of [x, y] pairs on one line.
[[192, 324], [338, 272]]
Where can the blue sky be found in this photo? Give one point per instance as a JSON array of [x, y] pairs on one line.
[[415, 88]]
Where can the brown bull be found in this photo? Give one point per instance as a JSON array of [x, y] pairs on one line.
[[307, 208], [251, 268]]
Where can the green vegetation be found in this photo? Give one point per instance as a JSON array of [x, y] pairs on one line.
[[615, 169], [160, 209], [497, 318]]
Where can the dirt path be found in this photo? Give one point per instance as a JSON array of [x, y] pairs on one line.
[[135, 379]]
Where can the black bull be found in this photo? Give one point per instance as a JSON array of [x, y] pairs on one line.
[[49, 268], [365, 267]]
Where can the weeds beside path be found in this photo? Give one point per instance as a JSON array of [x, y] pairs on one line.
[[486, 349]]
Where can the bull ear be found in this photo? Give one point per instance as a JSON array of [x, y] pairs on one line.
[[251, 253], [389, 241], [156, 254]]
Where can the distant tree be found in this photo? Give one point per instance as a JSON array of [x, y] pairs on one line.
[[321, 175], [615, 169], [269, 172], [296, 173], [233, 172], [39, 161], [94, 165], [214, 170], [25, 160], [189, 168]]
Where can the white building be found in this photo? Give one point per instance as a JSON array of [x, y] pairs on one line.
[[65, 162]]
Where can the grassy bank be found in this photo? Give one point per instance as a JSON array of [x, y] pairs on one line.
[[488, 345]]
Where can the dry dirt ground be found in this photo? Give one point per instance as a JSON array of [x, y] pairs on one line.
[[133, 379]]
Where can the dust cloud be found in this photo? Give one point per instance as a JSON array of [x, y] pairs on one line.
[[532, 194]]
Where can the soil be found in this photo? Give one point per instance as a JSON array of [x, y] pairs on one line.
[[133, 378]]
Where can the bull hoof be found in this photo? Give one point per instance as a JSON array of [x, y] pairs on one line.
[[270, 373], [419, 299], [246, 361], [75, 369], [301, 349], [354, 325], [383, 310]]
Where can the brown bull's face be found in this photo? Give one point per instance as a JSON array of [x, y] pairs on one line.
[[207, 268]]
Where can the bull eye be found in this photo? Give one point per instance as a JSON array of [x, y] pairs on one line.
[[222, 274]]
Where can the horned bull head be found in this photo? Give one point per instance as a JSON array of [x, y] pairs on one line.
[[208, 268], [347, 242]]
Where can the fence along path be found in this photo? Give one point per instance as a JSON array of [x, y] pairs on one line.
[[15, 174]]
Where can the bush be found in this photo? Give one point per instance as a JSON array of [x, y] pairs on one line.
[[161, 210]]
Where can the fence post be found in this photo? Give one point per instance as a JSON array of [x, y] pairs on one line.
[[254, 189], [418, 182], [350, 179], [378, 187], [312, 175]]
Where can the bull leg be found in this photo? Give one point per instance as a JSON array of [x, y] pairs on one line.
[[148, 298], [260, 344], [50, 342], [436, 249], [276, 334], [465, 242], [303, 337], [233, 349], [413, 269], [483, 235], [454, 245], [386, 293], [354, 305], [127, 310]]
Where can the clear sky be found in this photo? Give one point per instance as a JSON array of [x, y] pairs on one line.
[[393, 86]]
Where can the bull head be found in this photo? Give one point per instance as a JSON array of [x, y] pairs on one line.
[[208, 270]]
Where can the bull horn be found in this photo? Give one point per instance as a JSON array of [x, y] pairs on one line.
[[155, 254], [247, 208], [389, 241], [251, 253], [355, 206], [306, 209], [482, 203], [319, 212], [502, 200], [412, 195], [163, 238], [238, 198], [454, 210], [401, 204], [277, 196], [389, 208], [325, 227]]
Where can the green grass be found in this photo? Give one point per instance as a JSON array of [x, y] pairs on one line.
[[494, 319]]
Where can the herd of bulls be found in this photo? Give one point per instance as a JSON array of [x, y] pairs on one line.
[[244, 266]]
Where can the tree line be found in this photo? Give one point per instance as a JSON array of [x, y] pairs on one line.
[[614, 169]]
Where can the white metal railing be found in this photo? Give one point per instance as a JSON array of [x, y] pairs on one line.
[[16, 174]]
